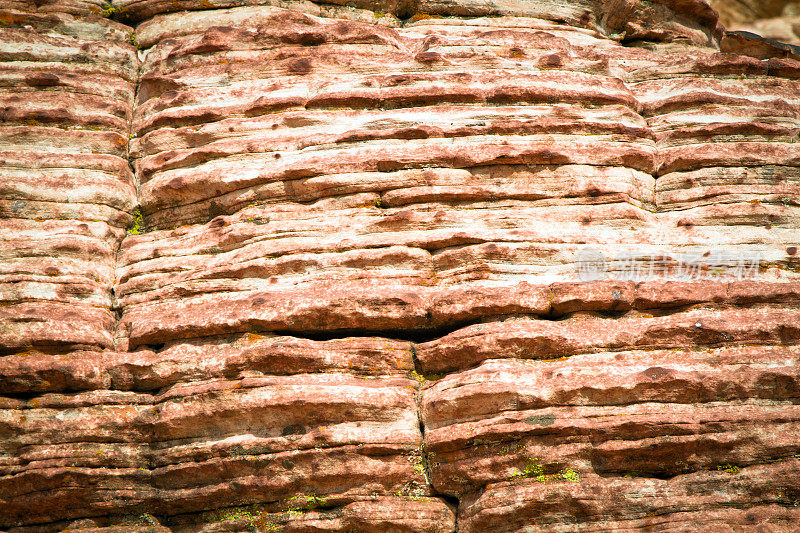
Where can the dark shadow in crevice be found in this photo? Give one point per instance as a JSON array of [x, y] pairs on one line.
[[23, 396]]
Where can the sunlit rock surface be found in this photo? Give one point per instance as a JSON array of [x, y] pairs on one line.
[[67, 193], [398, 266]]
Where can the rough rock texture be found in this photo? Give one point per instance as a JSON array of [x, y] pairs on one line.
[[66, 190], [413, 266]]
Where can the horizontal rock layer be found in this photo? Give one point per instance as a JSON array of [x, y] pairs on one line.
[[397, 266], [67, 87], [133, 434], [702, 501]]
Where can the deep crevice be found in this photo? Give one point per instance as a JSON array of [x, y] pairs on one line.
[[24, 396]]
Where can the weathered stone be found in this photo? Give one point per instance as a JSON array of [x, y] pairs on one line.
[[488, 424], [269, 433], [532, 338], [285, 265], [66, 192], [756, 498]]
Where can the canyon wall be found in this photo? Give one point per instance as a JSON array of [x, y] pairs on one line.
[[397, 266]]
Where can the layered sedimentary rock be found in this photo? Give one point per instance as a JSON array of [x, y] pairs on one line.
[[67, 191], [208, 431], [397, 266]]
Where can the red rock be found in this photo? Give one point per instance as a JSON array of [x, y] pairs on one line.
[[530, 338], [485, 425], [375, 515], [67, 192], [157, 447], [307, 267], [697, 376], [757, 497], [74, 7]]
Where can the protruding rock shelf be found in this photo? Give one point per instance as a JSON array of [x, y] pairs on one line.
[[399, 266]]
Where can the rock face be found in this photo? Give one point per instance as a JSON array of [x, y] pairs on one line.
[[398, 266]]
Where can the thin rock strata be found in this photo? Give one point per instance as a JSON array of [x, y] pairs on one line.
[[66, 189], [413, 266], [253, 432]]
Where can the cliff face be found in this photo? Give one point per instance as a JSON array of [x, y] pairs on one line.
[[415, 266]]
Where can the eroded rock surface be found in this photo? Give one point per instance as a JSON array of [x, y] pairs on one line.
[[66, 189], [397, 266]]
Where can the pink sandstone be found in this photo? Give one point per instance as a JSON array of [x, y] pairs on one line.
[[300, 266]]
